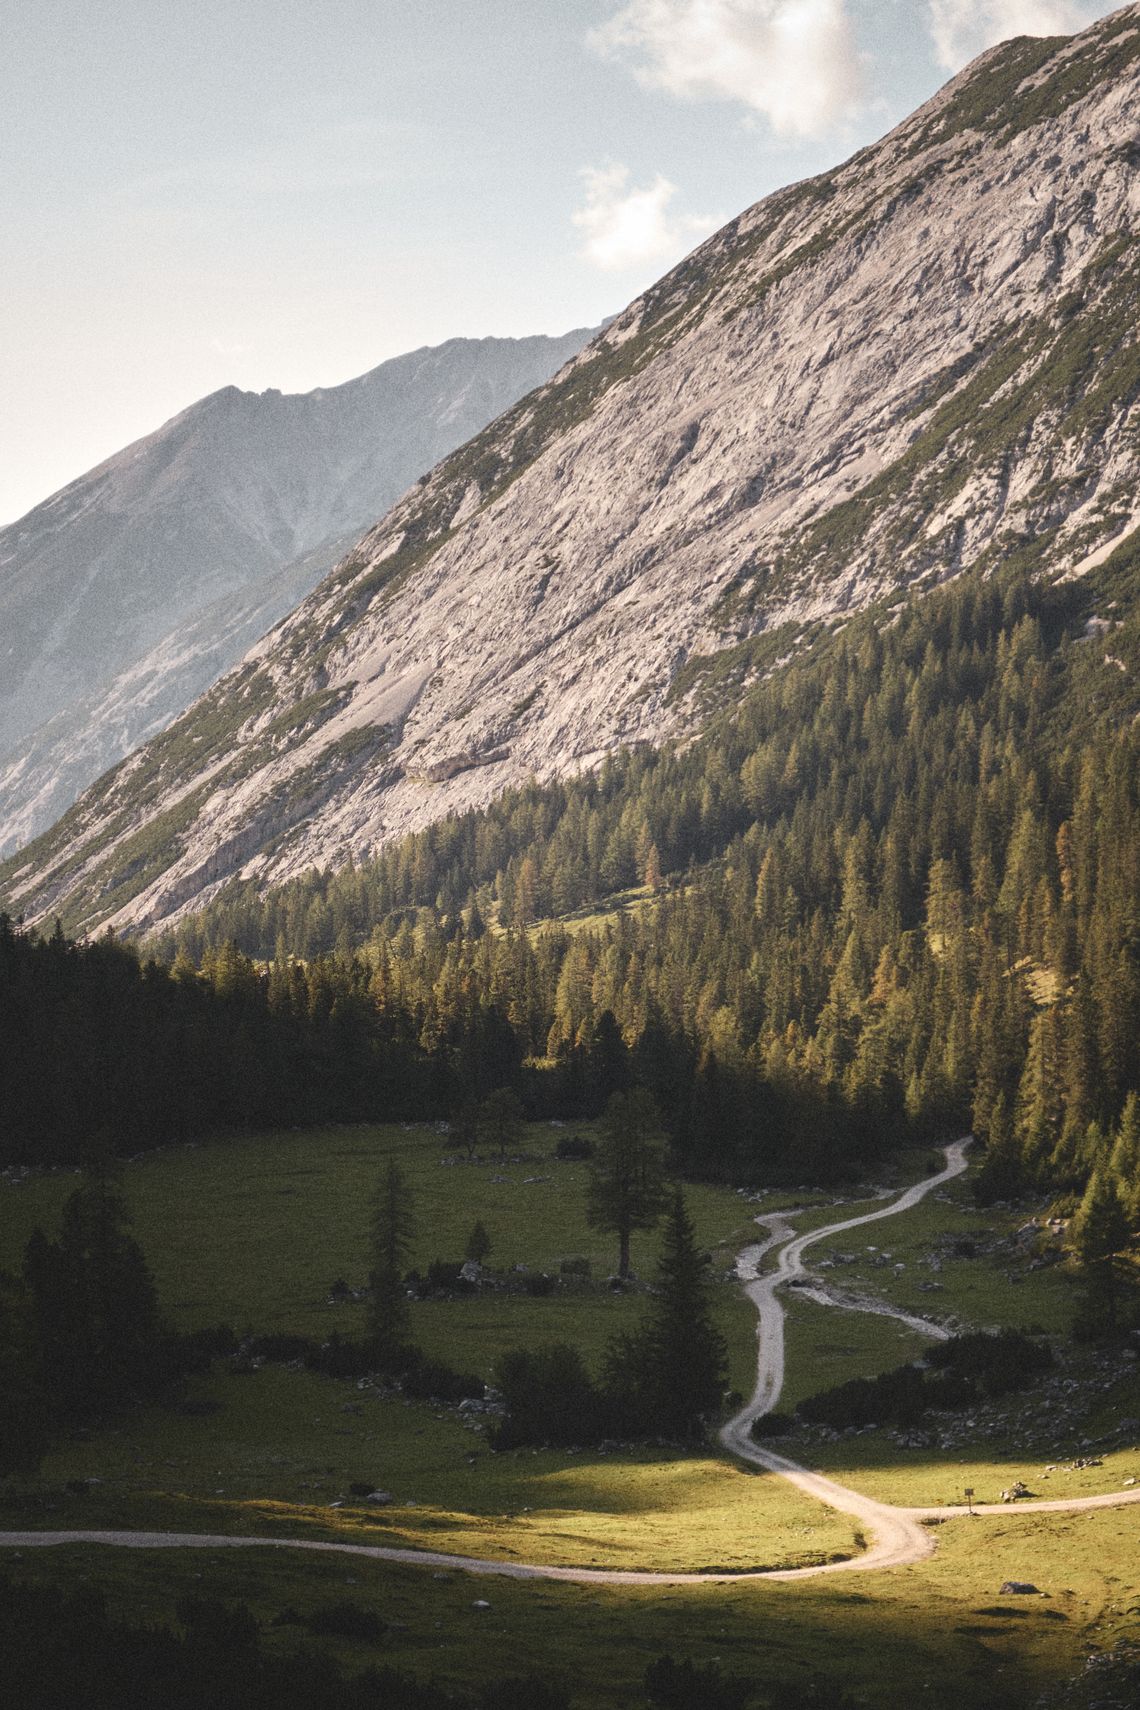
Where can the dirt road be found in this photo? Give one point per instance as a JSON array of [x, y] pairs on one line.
[[898, 1536]]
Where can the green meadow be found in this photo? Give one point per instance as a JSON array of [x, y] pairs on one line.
[[254, 1231]]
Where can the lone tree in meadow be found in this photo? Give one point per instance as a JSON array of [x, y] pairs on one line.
[[501, 1120], [478, 1243], [627, 1188], [393, 1232]]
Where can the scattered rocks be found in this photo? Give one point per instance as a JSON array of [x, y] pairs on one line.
[[1020, 1588]]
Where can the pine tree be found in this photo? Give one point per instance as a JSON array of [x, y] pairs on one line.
[[1125, 1162], [392, 1235], [672, 1370], [626, 1189], [478, 1243], [501, 1119], [1099, 1234], [23, 1432]]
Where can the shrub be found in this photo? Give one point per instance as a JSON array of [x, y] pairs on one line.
[[345, 1620], [896, 1398], [688, 1685], [573, 1148], [279, 1346], [772, 1425], [426, 1380], [996, 1362], [341, 1358], [549, 1398], [524, 1692], [443, 1277]]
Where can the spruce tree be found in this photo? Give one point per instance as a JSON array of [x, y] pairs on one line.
[[669, 1375], [478, 1243], [501, 1119], [1125, 1163], [393, 1231], [1099, 1233], [626, 1189]]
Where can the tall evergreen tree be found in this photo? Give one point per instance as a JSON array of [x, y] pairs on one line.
[[392, 1235], [626, 1188], [1099, 1235], [669, 1375]]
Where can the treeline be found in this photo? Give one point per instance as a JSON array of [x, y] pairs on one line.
[[895, 894], [902, 895], [110, 1054]]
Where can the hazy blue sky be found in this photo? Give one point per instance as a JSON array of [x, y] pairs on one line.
[[199, 192]]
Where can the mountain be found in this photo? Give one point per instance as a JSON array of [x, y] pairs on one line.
[[923, 362], [129, 592]]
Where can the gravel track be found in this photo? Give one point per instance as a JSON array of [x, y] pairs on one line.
[[898, 1535]]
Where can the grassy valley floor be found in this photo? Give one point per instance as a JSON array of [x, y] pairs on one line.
[[255, 1231]]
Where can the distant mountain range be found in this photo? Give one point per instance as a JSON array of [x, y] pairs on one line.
[[127, 594], [922, 362]]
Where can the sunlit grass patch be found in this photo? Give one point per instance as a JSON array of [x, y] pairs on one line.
[[938, 1634]]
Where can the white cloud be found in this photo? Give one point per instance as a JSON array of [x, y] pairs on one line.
[[963, 28], [792, 61], [626, 227]]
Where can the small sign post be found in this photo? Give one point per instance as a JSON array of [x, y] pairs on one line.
[[968, 1493]]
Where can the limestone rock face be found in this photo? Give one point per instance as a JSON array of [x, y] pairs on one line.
[[923, 361], [125, 595]]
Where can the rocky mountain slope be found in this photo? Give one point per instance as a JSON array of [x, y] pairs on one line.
[[125, 595], [924, 360]]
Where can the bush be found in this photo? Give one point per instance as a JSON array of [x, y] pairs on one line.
[[896, 1398], [996, 1362], [443, 1277], [688, 1685], [341, 1358], [549, 1398], [196, 1350], [965, 1368], [427, 1380], [538, 1284], [772, 1425], [344, 1620], [279, 1346], [574, 1148]]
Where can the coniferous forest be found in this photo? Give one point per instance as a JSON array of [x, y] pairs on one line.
[[894, 894]]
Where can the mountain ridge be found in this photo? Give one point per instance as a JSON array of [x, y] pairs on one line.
[[922, 361], [127, 592]]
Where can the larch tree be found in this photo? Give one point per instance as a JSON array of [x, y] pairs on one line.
[[501, 1120]]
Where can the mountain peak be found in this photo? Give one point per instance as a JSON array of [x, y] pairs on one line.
[[921, 362]]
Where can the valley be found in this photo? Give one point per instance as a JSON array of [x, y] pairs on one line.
[[570, 927], [270, 1453]]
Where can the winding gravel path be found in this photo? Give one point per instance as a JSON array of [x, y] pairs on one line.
[[899, 1537]]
